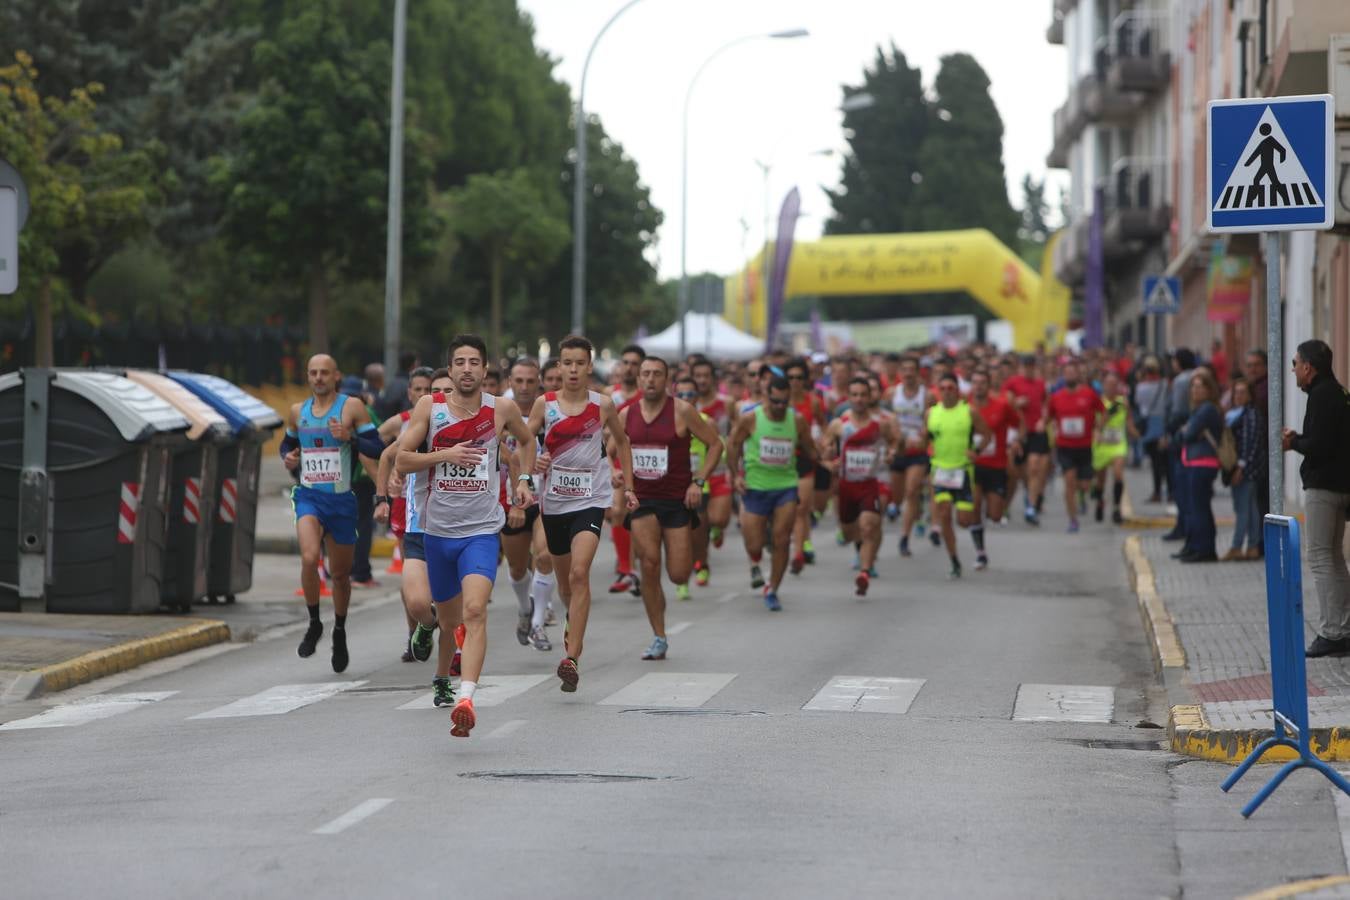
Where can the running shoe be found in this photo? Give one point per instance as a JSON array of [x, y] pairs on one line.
[[442, 694], [935, 538], [1073, 526], [310, 641], [955, 573], [340, 656], [1032, 517], [657, 650], [702, 575], [892, 511], [809, 553], [771, 601], [839, 537], [715, 535], [539, 639], [857, 561], [904, 545], [798, 563], [872, 572], [756, 577], [549, 617], [981, 563], [1116, 517], [523, 626], [623, 582], [567, 671], [920, 527], [1100, 512], [682, 591], [462, 718], [455, 665], [407, 653], [861, 583], [419, 644], [1082, 503]]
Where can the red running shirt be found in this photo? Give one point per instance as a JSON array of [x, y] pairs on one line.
[[1075, 411], [999, 415], [1033, 390]]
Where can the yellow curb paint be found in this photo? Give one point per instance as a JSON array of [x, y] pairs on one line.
[[131, 654], [1294, 888], [382, 547], [1189, 733], [1126, 506], [1167, 649]]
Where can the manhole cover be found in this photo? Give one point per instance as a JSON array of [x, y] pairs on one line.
[[569, 777], [668, 711], [1092, 744]]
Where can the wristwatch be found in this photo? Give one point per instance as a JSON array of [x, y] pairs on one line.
[[700, 482], [380, 498], [528, 479]]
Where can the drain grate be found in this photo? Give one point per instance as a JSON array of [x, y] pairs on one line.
[[669, 711], [1092, 744], [570, 777]]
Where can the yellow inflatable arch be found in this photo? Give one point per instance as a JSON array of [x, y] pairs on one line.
[[972, 260]]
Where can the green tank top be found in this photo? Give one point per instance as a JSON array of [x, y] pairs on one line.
[[770, 453], [950, 430], [697, 451], [1113, 434]]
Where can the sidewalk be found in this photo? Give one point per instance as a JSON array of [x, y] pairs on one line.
[[1207, 629], [276, 518]]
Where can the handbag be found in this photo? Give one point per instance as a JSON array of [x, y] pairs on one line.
[[1225, 448]]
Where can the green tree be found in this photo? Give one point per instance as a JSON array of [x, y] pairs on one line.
[[88, 195], [510, 219], [1033, 231]]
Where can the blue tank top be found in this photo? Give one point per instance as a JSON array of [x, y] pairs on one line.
[[325, 462]]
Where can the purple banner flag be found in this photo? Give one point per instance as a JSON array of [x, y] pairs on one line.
[[817, 332], [1094, 305], [782, 254]]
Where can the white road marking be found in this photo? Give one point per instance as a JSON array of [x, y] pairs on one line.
[[727, 598], [493, 690], [276, 701], [1064, 703], [861, 693], [677, 689], [677, 628], [355, 814], [505, 728], [88, 709]]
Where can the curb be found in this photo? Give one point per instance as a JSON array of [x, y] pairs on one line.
[[111, 660], [1168, 652]]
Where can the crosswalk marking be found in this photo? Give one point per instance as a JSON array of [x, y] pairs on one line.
[[675, 689], [355, 814], [1064, 703], [860, 693], [493, 690], [88, 709], [276, 701]]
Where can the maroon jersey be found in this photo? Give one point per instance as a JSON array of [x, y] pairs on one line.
[[660, 456]]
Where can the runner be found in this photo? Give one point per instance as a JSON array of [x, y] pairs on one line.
[[318, 443], [910, 400], [1111, 446], [455, 436], [622, 394], [669, 491], [811, 477], [717, 408], [858, 442], [579, 485], [774, 437], [1028, 391], [1075, 410], [951, 427], [551, 375], [991, 463]]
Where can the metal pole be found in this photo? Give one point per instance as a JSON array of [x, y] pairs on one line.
[[393, 260], [707, 318], [579, 185], [1275, 376]]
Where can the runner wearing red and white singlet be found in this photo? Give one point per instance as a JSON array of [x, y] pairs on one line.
[[909, 400], [857, 445], [1075, 409], [1028, 392], [669, 491], [991, 458], [578, 486], [717, 500]]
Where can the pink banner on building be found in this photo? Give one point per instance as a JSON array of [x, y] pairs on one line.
[[1230, 286]]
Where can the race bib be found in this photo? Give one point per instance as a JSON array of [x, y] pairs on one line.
[[650, 462], [859, 464], [1112, 435], [954, 479], [450, 478], [1072, 426], [774, 451], [570, 484], [320, 465]]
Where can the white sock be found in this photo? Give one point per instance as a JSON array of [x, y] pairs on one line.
[[543, 597], [466, 689], [522, 589]]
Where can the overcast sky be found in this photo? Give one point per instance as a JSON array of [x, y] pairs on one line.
[[776, 100]]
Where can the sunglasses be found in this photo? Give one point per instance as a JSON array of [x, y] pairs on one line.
[[422, 372], [686, 395], [796, 378], [1296, 362]]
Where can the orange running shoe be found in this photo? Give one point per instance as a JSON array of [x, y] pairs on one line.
[[462, 718]]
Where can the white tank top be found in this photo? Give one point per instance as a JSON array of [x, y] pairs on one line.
[[579, 473], [462, 501], [410, 523], [910, 411]]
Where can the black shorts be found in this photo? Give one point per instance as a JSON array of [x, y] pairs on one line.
[[669, 513], [1036, 442], [902, 463], [824, 478], [531, 513], [414, 547], [559, 530], [1076, 459], [991, 480]]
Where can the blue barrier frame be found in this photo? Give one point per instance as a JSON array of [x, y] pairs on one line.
[[1288, 668]]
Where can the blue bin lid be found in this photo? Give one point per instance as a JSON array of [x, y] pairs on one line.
[[242, 410]]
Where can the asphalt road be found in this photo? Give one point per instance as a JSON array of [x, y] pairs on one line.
[[917, 775]]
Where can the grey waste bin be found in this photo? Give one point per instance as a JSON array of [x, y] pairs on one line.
[[235, 528], [84, 458], [192, 490]]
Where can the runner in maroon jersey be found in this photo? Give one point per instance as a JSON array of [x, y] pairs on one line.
[[1028, 391], [669, 493]]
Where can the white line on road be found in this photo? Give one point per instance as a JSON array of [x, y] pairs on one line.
[[676, 629], [678, 689], [276, 701], [505, 728], [727, 598], [860, 693], [354, 815], [1064, 703], [89, 709], [493, 690]]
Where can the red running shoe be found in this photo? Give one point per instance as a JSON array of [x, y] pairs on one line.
[[798, 563], [567, 671], [462, 718], [861, 582]]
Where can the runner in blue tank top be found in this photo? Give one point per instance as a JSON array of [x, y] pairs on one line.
[[318, 447]]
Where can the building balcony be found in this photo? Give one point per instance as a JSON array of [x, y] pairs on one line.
[[1297, 60], [1135, 59], [1135, 216], [1063, 7], [1106, 104], [1055, 33]]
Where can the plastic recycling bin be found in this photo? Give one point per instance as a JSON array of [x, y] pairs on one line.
[[192, 490], [237, 470], [85, 459]]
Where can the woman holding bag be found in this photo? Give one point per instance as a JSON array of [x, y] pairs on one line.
[[1199, 465]]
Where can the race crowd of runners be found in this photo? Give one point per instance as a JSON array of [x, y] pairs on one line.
[[527, 467]]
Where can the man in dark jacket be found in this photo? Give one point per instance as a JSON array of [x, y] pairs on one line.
[[1325, 446]]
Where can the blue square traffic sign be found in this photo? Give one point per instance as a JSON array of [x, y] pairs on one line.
[[1270, 164], [1162, 296]]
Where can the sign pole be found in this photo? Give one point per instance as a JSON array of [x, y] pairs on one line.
[[1274, 376]]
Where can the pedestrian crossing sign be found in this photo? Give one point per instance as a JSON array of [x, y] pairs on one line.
[[1162, 296], [1270, 163]]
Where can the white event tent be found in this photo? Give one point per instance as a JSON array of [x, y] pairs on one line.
[[711, 335]]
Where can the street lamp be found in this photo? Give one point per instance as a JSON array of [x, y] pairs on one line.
[[393, 260], [579, 185], [684, 165]]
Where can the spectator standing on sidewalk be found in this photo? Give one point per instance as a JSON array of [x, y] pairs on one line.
[[1325, 471], [1249, 432], [1150, 404], [1178, 414], [1199, 441]]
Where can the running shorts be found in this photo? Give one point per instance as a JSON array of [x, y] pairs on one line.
[[1076, 459], [414, 546], [856, 498], [991, 480], [1037, 442], [559, 530], [669, 513], [531, 513], [719, 486], [451, 560], [962, 498], [398, 516], [824, 477], [763, 503], [902, 462], [336, 512]]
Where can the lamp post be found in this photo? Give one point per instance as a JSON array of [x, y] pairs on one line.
[[393, 260], [579, 185], [684, 165]]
